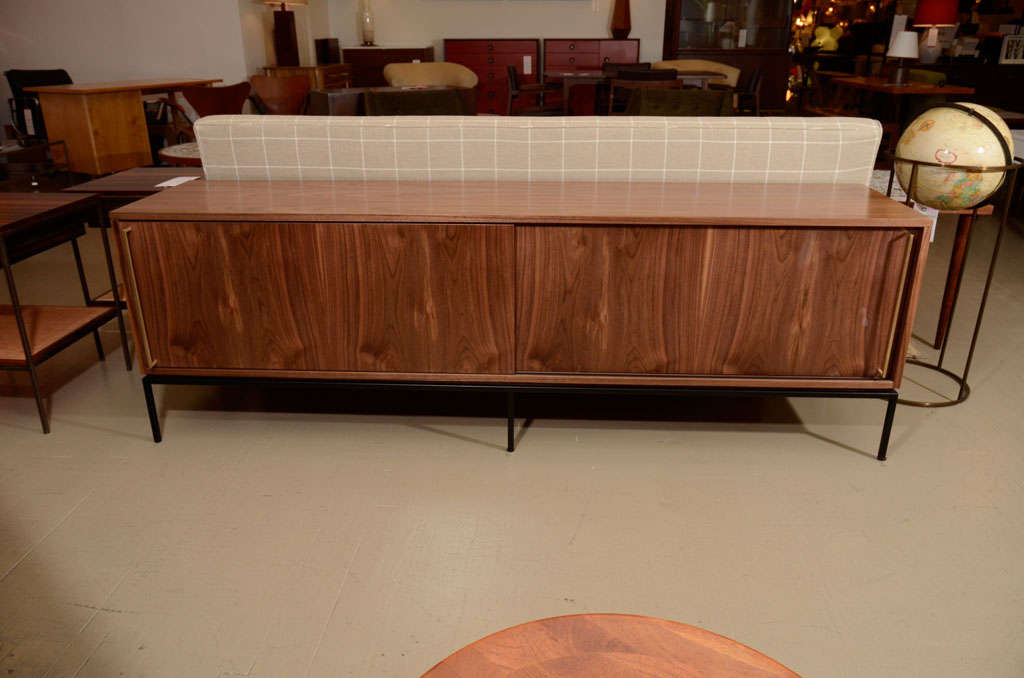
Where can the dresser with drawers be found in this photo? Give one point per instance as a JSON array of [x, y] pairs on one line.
[[584, 55], [490, 59]]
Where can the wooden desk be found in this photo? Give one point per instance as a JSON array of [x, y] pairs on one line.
[[514, 284], [352, 100], [847, 88], [571, 78], [30, 334], [606, 645], [104, 124], [324, 76]]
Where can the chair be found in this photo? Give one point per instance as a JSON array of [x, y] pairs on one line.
[[707, 102], [748, 91], [440, 73], [612, 69], [440, 101], [280, 95], [26, 114], [515, 90], [205, 101], [619, 87], [731, 73]]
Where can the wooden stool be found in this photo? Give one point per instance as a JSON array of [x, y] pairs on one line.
[[596, 645]]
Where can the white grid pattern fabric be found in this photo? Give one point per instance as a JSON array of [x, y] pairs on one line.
[[498, 148]]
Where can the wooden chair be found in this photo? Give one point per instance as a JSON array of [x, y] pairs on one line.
[[184, 151], [619, 88], [26, 114], [516, 90], [280, 95], [748, 91]]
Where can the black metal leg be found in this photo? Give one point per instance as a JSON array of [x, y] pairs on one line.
[[30, 365], [154, 419], [85, 294], [510, 414], [890, 412], [104, 226]]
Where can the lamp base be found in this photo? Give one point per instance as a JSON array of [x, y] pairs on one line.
[[286, 44], [899, 76]]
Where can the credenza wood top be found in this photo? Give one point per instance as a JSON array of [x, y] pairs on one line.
[[150, 85], [624, 203]]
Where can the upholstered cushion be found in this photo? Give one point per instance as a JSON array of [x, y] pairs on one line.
[[731, 73], [488, 148], [429, 73]]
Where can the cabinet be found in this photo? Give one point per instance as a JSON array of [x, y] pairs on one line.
[[368, 62], [490, 60], [588, 54], [328, 76]]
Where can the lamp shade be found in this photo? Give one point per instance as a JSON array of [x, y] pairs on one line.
[[904, 46], [937, 13]]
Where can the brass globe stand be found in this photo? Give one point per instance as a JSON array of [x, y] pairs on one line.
[[942, 338]]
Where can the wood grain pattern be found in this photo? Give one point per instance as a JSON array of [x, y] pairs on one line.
[[605, 645], [708, 301], [135, 182], [22, 210], [325, 296], [788, 205], [50, 328], [104, 131], [147, 86]]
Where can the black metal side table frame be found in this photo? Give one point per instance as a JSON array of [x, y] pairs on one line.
[[69, 229], [1006, 190], [510, 390]]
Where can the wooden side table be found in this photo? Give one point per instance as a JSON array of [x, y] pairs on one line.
[[327, 76], [31, 223], [596, 645]]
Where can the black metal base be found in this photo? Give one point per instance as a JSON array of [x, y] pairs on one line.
[[510, 390]]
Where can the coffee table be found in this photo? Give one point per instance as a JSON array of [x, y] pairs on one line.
[[596, 645]]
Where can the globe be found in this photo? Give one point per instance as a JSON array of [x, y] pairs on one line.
[[950, 135]]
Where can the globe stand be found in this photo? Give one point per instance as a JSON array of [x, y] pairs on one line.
[[942, 340]]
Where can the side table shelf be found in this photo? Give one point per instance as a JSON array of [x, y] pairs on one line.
[[49, 328]]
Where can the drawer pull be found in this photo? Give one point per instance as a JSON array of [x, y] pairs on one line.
[[606, 59], [572, 45], [490, 47], [490, 60], [490, 94], [572, 60], [490, 75]]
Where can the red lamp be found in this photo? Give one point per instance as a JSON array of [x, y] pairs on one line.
[[934, 14]]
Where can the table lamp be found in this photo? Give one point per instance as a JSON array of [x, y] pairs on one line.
[[904, 46], [286, 43], [934, 14]]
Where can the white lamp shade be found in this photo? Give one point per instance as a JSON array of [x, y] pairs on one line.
[[905, 45]]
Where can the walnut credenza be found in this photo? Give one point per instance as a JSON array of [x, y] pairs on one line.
[[723, 289]]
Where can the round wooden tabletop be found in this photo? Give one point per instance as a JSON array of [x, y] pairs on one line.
[[597, 645]]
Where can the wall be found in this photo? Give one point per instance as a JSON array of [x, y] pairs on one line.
[[418, 22], [121, 39], [257, 22]]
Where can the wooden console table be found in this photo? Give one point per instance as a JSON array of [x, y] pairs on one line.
[[778, 289], [104, 124]]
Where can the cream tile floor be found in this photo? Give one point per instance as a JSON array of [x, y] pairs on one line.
[[283, 534]]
